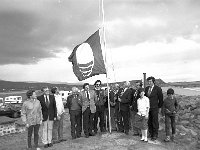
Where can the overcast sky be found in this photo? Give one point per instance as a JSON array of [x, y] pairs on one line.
[[158, 37]]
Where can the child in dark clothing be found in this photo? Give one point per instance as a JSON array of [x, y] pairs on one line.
[[169, 110]]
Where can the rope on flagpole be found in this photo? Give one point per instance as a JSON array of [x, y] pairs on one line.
[[104, 43]]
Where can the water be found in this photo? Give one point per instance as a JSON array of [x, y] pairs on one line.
[[193, 89]]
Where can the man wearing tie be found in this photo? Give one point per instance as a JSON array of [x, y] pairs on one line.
[[155, 95], [49, 113], [125, 100], [88, 100]]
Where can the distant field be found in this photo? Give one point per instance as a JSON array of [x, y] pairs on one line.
[[183, 91]]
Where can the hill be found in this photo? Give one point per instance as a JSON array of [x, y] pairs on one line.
[[18, 86]]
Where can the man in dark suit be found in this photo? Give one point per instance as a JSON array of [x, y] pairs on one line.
[[125, 100], [155, 95], [48, 104]]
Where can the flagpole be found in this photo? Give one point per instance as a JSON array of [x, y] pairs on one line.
[[104, 37]]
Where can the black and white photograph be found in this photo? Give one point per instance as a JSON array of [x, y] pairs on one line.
[[99, 74]]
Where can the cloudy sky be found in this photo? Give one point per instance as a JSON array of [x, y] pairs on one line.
[[158, 37]]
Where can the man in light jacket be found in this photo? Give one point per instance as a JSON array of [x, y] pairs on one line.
[[88, 99]]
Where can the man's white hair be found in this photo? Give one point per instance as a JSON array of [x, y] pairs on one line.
[[74, 89]]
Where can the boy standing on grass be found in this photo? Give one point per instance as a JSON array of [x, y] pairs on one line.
[[169, 110]]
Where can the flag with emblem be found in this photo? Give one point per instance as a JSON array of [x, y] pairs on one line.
[[87, 58]]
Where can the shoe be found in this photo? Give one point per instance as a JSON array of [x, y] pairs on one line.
[[126, 132], [91, 134], [46, 146], [154, 138], [167, 139], [141, 139], [55, 141], [146, 141], [62, 140], [87, 136], [73, 137], [78, 136], [173, 137], [50, 144], [38, 148]]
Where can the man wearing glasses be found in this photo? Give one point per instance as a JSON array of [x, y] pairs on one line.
[[49, 113], [100, 108], [88, 99]]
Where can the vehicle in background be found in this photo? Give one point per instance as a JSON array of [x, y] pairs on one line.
[[10, 110], [1, 101], [13, 99], [64, 95]]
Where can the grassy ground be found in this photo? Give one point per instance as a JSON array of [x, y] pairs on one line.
[[114, 141]]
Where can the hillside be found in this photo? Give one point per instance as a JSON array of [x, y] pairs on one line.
[[18, 86]]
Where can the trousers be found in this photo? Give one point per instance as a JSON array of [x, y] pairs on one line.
[[35, 129], [47, 128]]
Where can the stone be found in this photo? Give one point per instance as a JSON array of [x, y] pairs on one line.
[[185, 116], [196, 111], [194, 134], [197, 121], [185, 122], [182, 128]]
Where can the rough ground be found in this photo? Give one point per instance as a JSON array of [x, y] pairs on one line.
[[114, 141]]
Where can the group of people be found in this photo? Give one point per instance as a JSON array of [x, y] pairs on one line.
[[131, 108], [135, 109], [47, 111]]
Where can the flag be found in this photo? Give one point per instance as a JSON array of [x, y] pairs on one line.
[[87, 59]]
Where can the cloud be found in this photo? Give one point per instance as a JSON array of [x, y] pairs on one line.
[[148, 35], [32, 32]]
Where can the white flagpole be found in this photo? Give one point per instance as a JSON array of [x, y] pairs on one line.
[[104, 37]]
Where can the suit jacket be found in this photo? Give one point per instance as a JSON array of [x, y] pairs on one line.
[[85, 102], [156, 96], [126, 100], [48, 112]]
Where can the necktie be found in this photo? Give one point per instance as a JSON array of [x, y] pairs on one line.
[[47, 101], [149, 91], [88, 95]]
